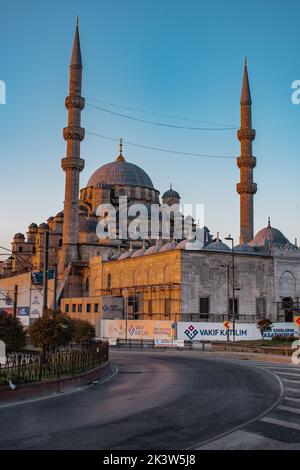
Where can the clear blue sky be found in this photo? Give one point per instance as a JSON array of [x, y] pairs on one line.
[[182, 57]]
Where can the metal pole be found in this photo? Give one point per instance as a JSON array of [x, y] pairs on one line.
[[45, 272], [55, 288], [15, 300], [228, 300], [233, 292]]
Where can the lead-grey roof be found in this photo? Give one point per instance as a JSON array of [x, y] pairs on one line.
[[121, 172], [272, 236]]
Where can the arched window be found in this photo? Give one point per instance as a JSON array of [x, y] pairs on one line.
[[87, 284], [166, 274], [109, 281], [60, 243], [121, 283]]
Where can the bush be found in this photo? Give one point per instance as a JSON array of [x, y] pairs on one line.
[[84, 331], [264, 325], [12, 332], [52, 330]]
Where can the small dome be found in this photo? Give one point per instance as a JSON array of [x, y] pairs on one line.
[[152, 249], [194, 245], [19, 236], [168, 247], [181, 245], [126, 255], [59, 216], [217, 245], [33, 227], [50, 219], [115, 256], [171, 193], [271, 236], [43, 226], [139, 252], [244, 248]]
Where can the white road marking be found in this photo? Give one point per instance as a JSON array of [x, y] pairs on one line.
[[294, 390], [289, 409], [287, 373], [296, 400], [281, 422]]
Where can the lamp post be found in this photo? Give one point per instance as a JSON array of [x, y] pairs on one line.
[[230, 238]]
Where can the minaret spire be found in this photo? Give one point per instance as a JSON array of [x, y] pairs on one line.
[[72, 164], [246, 163]]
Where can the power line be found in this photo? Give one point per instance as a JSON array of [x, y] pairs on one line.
[[158, 114], [154, 123], [157, 149]]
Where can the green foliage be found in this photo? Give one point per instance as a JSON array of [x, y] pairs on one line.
[[264, 325], [52, 330], [84, 331], [12, 332]]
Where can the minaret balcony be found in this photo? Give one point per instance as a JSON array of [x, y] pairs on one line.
[[75, 101], [248, 162], [74, 133], [72, 163], [246, 188], [246, 134]]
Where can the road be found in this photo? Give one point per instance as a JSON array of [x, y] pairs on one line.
[[157, 400]]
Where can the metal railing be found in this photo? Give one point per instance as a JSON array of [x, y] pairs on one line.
[[75, 359]]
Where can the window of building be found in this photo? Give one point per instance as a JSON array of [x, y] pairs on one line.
[[261, 307], [79, 308], [60, 243], [96, 308], [150, 307], [88, 308], [73, 308], [236, 307], [20, 248], [167, 307], [204, 305], [67, 308], [109, 281], [33, 250]]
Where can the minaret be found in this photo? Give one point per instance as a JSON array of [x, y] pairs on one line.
[[246, 163], [72, 164]]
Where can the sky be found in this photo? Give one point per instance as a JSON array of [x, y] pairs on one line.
[[178, 57]]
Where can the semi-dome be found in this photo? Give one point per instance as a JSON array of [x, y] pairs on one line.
[[121, 172], [271, 236]]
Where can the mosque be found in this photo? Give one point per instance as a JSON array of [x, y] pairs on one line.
[[154, 279]]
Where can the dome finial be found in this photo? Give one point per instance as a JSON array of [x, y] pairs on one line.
[[246, 60], [269, 221], [120, 157], [170, 185]]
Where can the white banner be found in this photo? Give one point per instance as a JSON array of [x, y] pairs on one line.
[[195, 331], [137, 329]]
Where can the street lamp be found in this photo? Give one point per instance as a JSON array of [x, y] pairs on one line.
[[230, 238]]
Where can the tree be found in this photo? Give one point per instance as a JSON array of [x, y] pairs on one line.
[[52, 330], [12, 332], [84, 331], [264, 325]]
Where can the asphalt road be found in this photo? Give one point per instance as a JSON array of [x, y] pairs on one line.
[[157, 400]]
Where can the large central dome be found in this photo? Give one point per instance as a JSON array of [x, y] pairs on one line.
[[121, 172]]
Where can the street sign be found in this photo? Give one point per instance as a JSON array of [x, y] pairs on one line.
[[297, 320], [227, 325]]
